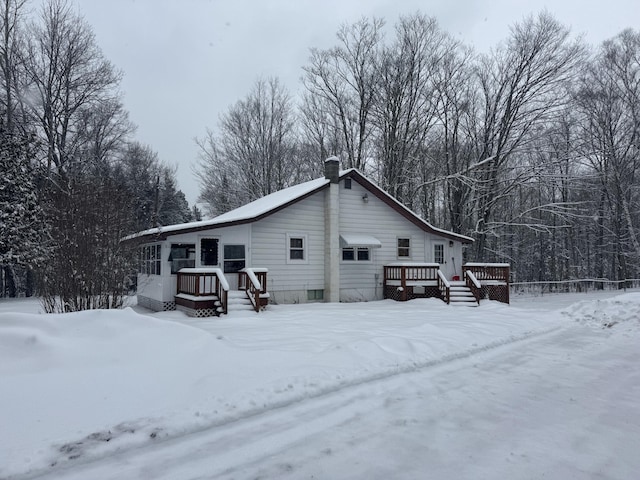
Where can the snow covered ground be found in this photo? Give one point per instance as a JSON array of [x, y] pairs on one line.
[[545, 388]]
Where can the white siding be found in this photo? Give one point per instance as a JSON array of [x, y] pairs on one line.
[[288, 283], [363, 280]]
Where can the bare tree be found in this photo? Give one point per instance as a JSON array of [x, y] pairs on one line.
[[255, 151], [11, 44], [68, 74], [522, 87], [344, 81], [609, 101], [405, 106], [454, 151]]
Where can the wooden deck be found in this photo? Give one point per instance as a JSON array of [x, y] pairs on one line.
[[405, 281], [202, 292]]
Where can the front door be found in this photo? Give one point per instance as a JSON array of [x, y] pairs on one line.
[[441, 255]]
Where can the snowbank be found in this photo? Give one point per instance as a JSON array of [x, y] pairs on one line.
[[86, 384]]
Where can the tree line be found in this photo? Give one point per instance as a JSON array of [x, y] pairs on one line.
[[532, 149], [74, 179]]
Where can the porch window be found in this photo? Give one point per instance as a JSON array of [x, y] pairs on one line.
[[404, 248], [296, 248], [234, 258], [209, 251], [359, 254], [183, 255], [438, 253], [150, 259]]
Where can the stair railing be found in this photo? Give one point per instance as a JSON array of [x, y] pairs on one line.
[[473, 284], [201, 282], [254, 283], [444, 286]]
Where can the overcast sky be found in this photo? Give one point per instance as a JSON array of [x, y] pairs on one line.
[[185, 62]]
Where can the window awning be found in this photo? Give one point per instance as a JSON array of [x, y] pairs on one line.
[[359, 240]]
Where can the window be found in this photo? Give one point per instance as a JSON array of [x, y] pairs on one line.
[[404, 247], [347, 183], [234, 259], [296, 248], [183, 255], [360, 254], [209, 251], [150, 259], [438, 253], [315, 295]]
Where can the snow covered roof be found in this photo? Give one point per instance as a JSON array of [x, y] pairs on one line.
[[248, 212], [276, 201]]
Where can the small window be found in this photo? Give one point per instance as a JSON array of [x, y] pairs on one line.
[[404, 247], [296, 248], [347, 183], [209, 251], [183, 255], [150, 259], [360, 254], [234, 259], [438, 253], [315, 295]]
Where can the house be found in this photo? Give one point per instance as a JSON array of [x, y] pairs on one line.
[[336, 238]]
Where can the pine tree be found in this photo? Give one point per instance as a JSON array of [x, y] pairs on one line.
[[23, 233]]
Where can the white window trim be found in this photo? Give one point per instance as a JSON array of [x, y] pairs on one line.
[[410, 248], [305, 249]]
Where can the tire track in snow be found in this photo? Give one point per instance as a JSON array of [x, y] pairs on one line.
[[69, 465]]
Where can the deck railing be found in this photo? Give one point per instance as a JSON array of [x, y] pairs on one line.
[[493, 277], [473, 284], [204, 282], [402, 277], [254, 282], [445, 287]]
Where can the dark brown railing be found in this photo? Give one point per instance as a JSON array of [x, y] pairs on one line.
[[445, 287], [473, 284], [204, 282], [254, 282], [493, 277], [403, 275]]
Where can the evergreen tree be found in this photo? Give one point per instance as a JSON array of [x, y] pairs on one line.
[[23, 232]]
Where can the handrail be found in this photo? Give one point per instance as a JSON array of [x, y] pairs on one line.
[[201, 282], [493, 277], [473, 284], [473, 279], [444, 286], [256, 288]]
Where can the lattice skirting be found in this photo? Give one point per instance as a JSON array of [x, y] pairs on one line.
[[499, 293], [199, 313], [155, 305], [391, 291]]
